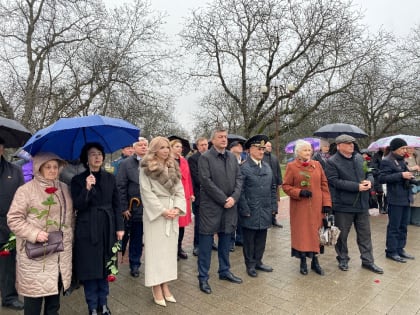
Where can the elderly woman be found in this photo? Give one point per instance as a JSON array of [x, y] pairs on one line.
[[176, 152], [41, 279], [306, 184], [163, 200], [99, 224]]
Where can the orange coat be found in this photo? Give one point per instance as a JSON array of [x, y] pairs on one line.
[[306, 213], [188, 191]]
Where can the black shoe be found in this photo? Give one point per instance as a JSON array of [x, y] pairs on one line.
[[196, 251], [372, 267], [303, 267], [343, 265], [182, 254], [396, 258], [230, 277], [276, 224], [316, 267], [251, 272], [135, 273], [93, 312], [14, 305], [264, 268], [232, 248], [214, 246], [406, 255], [204, 286]]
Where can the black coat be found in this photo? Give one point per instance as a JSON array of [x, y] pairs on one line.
[[11, 178], [397, 188], [259, 196], [220, 178], [273, 161], [344, 175], [193, 164], [128, 186], [97, 220]]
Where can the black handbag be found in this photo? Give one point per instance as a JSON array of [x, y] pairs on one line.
[[53, 245]]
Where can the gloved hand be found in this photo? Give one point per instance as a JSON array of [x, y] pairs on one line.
[[326, 210], [305, 193]]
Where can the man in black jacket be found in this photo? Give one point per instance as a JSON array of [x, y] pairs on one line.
[[349, 185], [129, 189], [273, 161], [202, 146], [11, 178], [394, 173]]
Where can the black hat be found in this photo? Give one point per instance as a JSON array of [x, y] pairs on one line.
[[234, 144], [257, 140], [397, 143]]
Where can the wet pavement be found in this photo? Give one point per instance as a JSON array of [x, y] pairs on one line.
[[283, 291]]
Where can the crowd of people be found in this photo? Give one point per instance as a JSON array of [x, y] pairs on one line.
[[233, 190]]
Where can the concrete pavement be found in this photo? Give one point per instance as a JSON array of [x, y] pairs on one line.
[[284, 291]]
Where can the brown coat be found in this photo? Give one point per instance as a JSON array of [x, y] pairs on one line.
[[31, 280], [306, 213]]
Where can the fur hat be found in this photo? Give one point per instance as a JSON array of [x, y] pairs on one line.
[[397, 143]]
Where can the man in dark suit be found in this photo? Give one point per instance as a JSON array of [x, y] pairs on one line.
[[202, 146], [221, 184], [273, 161], [131, 207], [11, 178]]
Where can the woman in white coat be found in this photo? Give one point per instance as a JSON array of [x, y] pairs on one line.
[[163, 200]]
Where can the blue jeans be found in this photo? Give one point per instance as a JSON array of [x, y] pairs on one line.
[[135, 248], [204, 257], [396, 231], [96, 292]]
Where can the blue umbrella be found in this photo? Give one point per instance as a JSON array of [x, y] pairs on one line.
[[67, 136]]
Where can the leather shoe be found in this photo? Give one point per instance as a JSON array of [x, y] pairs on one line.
[[276, 224], [205, 287], [264, 268], [14, 305], [406, 255], [343, 265], [396, 258], [251, 272], [232, 248], [182, 254], [372, 267], [195, 251], [135, 273], [214, 246], [230, 277]]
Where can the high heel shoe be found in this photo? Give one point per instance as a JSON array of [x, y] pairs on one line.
[[158, 302], [170, 299]]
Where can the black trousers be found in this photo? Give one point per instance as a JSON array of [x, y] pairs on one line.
[[253, 246], [33, 306], [8, 277], [196, 211], [344, 221]]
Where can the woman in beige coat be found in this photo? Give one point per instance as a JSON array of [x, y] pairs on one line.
[[163, 199], [41, 280]]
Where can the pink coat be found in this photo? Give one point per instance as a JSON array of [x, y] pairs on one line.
[[188, 191]]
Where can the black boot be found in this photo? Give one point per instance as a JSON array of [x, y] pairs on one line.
[[303, 266], [316, 267]]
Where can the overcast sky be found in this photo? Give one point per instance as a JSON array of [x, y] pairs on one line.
[[395, 16]]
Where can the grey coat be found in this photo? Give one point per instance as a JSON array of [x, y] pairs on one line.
[[220, 178], [258, 198]]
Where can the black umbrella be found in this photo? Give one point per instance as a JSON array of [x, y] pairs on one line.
[[14, 134], [336, 129], [186, 147]]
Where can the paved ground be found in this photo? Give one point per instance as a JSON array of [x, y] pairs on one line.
[[284, 291]]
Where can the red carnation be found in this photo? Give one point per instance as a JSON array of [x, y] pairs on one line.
[[305, 164], [4, 253], [406, 155], [50, 190], [368, 158], [111, 278]]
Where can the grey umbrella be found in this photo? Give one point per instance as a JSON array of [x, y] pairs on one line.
[[336, 129], [14, 134]]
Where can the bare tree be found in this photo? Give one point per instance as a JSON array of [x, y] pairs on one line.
[[317, 45]]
